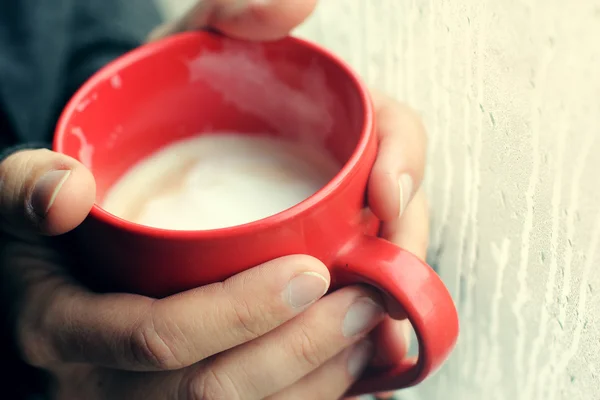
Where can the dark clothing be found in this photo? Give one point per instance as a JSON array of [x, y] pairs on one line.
[[48, 48]]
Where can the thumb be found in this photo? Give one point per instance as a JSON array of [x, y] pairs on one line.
[[44, 192]]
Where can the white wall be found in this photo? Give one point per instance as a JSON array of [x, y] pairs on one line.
[[510, 92]]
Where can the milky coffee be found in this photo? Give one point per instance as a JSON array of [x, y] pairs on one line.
[[219, 180]]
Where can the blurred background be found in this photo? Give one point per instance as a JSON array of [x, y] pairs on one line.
[[510, 94]]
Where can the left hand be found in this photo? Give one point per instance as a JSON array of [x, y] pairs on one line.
[[396, 198], [394, 188]]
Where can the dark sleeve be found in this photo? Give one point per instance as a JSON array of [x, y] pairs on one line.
[[104, 30], [48, 48]]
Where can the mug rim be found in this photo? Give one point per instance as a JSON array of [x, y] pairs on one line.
[[146, 50]]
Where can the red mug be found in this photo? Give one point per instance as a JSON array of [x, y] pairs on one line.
[[196, 82]]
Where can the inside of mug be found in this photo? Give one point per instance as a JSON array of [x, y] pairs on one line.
[[204, 83]]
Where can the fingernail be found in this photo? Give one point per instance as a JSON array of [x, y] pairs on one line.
[[406, 186], [361, 315], [359, 358], [305, 288], [46, 190]]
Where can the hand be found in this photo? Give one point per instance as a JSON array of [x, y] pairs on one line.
[[228, 340], [395, 196], [61, 323], [113, 346], [95, 345]]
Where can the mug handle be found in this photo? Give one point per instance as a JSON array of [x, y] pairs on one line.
[[421, 294]]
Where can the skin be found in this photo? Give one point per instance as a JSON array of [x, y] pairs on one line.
[[238, 339]]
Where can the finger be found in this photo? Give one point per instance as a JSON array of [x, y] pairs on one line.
[[398, 170], [378, 396], [223, 378], [385, 396], [333, 379], [329, 382], [44, 192], [65, 323], [84, 382], [243, 19], [278, 359], [392, 339], [411, 232]]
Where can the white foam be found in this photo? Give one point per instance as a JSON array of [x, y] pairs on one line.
[[220, 180]]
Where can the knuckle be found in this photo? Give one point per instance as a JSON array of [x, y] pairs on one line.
[[151, 347], [246, 320], [306, 349], [250, 319], [418, 123], [210, 385], [37, 341], [33, 347]]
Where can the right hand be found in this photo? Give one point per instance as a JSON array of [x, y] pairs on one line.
[[257, 335], [246, 338]]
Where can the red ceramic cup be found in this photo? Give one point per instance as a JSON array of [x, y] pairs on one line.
[[198, 82]]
